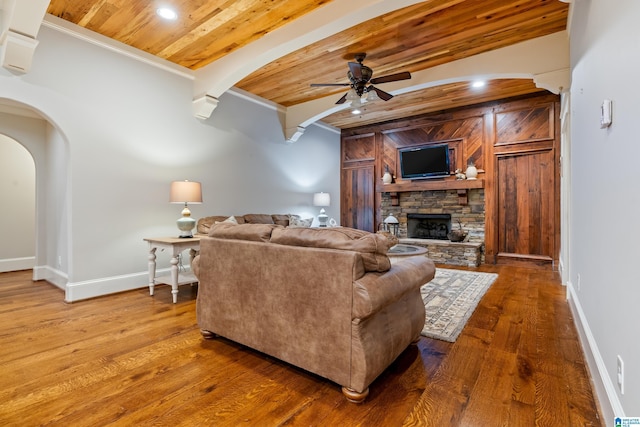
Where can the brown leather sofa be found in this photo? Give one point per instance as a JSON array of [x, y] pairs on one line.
[[326, 300]]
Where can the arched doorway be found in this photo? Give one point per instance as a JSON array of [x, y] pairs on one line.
[[17, 217], [47, 147]]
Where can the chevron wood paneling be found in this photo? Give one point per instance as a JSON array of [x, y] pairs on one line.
[[525, 125], [453, 131]]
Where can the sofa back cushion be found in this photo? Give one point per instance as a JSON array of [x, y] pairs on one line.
[[252, 232], [371, 247], [205, 223], [280, 219], [258, 219]]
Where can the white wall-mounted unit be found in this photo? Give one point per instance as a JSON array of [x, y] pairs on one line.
[[17, 51]]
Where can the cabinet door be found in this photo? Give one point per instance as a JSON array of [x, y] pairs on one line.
[[523, 206], [526, 213], [358, 197]]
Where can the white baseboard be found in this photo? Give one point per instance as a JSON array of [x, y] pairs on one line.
[[604, 388], [76, 291], [17, 264], [561, 269], [51, 275]]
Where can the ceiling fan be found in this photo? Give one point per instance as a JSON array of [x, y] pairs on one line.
[[361, 82]]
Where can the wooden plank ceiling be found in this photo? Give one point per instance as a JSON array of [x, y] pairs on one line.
[[415, 38]]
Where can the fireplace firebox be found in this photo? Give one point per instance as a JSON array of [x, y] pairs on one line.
[[428, 226]]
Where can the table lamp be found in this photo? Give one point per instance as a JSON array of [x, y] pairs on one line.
[[322, 199], [185, 192]]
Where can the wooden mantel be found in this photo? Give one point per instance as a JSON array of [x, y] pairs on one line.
[[462, 186]]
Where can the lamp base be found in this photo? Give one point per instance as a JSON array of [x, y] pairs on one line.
[[185, 225], [322, 220]]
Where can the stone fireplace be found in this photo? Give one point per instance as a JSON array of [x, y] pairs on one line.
[[425, 218]]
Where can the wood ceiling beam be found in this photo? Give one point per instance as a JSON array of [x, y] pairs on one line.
[[216, 78]]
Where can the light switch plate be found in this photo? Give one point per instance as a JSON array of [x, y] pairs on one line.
[[605, 114]]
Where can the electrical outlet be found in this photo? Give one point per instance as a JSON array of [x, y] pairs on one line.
[[578, 281], [620, 374]]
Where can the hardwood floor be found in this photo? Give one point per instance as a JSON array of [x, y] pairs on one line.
[[133, 359]]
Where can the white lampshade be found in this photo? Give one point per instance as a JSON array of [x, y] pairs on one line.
[[185, 192], [321, 199]]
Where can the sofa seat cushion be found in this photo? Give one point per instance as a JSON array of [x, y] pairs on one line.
[[251, 232], [371, 247]]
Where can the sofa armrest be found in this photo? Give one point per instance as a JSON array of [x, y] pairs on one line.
[[195, 265], [374, 291]]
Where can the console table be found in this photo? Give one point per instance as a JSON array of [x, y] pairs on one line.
[[175, 245]]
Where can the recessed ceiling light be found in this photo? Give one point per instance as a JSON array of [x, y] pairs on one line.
[[167, 13], [478, 84]]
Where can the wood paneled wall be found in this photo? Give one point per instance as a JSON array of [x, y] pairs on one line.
[[515, 145]]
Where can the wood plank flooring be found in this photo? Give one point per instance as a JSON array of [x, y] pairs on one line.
[[132, 359]]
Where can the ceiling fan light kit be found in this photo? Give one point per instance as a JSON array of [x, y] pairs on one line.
[[361, 83]]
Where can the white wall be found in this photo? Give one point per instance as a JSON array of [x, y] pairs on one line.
[[17, 215], [605, 199], [120, 131]]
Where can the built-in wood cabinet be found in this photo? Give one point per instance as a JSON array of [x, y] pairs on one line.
[[526, 189], [357, 182], [358, 197], [515, 145]]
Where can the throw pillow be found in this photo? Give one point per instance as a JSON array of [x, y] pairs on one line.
[[232, 219], [297, 222]]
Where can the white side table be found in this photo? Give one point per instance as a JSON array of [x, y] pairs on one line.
[[175, 245]]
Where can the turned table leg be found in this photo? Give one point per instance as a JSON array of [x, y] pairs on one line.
[[174, 277], [152, 269]]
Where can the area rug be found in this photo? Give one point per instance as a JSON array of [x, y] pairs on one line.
[[450, 299]]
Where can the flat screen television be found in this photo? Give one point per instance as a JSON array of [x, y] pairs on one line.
[[425, 161]]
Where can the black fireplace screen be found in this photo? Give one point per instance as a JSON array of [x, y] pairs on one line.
[[428, 226]]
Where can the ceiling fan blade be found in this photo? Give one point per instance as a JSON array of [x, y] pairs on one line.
[[392, 78], [356, 70], [385, 96], [341, 100], [329, 84]]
